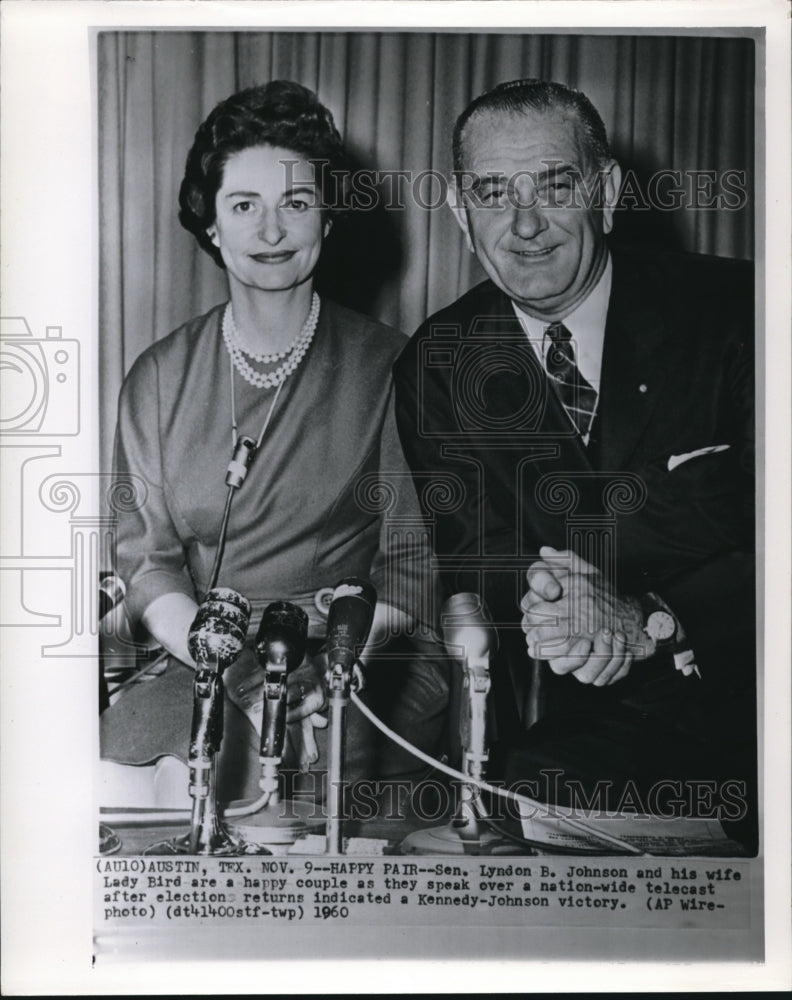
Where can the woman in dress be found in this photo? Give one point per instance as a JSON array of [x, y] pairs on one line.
[[310, 381]]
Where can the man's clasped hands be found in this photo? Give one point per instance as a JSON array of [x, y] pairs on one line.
[[574, 618]]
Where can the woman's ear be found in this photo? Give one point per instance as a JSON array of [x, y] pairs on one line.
[[211, 232]]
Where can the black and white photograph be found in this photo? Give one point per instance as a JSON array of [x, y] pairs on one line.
[[392, 456]]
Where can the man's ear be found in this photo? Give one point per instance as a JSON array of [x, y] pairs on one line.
[[327, 227], [456, 203], [611, 185], [211, 232]]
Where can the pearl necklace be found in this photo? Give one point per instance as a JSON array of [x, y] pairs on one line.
[[293, 354]]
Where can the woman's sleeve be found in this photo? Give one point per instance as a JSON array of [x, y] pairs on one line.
[[149, 552], [403, 570]]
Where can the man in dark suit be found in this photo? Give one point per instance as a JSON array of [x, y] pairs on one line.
[[589, 413]]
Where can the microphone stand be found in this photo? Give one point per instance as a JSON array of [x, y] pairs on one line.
[[280, 646], [476, 686], [339, 680], [468, 832], [208, 834], [349, 620]]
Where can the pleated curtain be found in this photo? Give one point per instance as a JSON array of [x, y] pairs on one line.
[[669, 103]]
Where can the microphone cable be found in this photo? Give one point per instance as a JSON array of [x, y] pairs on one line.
[[506, 793], [222, 540], [244, 450]]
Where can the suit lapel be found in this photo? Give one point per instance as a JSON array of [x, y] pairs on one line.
[[639, 354]]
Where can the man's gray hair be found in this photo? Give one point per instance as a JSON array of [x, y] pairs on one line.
[[520, 96]]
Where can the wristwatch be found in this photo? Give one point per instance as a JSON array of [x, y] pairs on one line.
[[666, 631], [659, 623]]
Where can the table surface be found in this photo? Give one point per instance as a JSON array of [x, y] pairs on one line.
[[382, 833]]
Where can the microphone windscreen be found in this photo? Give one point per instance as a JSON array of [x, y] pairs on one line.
[[467, 627], [282, 635], [220, 627], [349, 620]]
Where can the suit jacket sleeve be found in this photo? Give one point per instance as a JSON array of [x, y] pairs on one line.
[[716, 600]]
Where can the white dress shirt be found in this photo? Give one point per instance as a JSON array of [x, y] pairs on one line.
[[586, 324]]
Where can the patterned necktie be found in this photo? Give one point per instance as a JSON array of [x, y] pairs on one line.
[[578, 396]]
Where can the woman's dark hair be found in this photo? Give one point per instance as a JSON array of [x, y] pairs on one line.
[[280, 113]]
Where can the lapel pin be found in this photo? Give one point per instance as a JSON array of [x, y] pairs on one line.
[[643, 387]]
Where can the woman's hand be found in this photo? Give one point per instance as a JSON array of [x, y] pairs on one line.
[[244, 686], [168, 619], [306, 697]]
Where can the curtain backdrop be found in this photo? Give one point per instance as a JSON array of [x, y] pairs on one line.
[[669, 103]]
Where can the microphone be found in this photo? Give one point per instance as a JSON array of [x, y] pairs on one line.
[[215, 640], [469, 634], [218, 631], [280, 647], [349, 621], [111, 593], [466, 623], [470, 638], [244, 451]]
